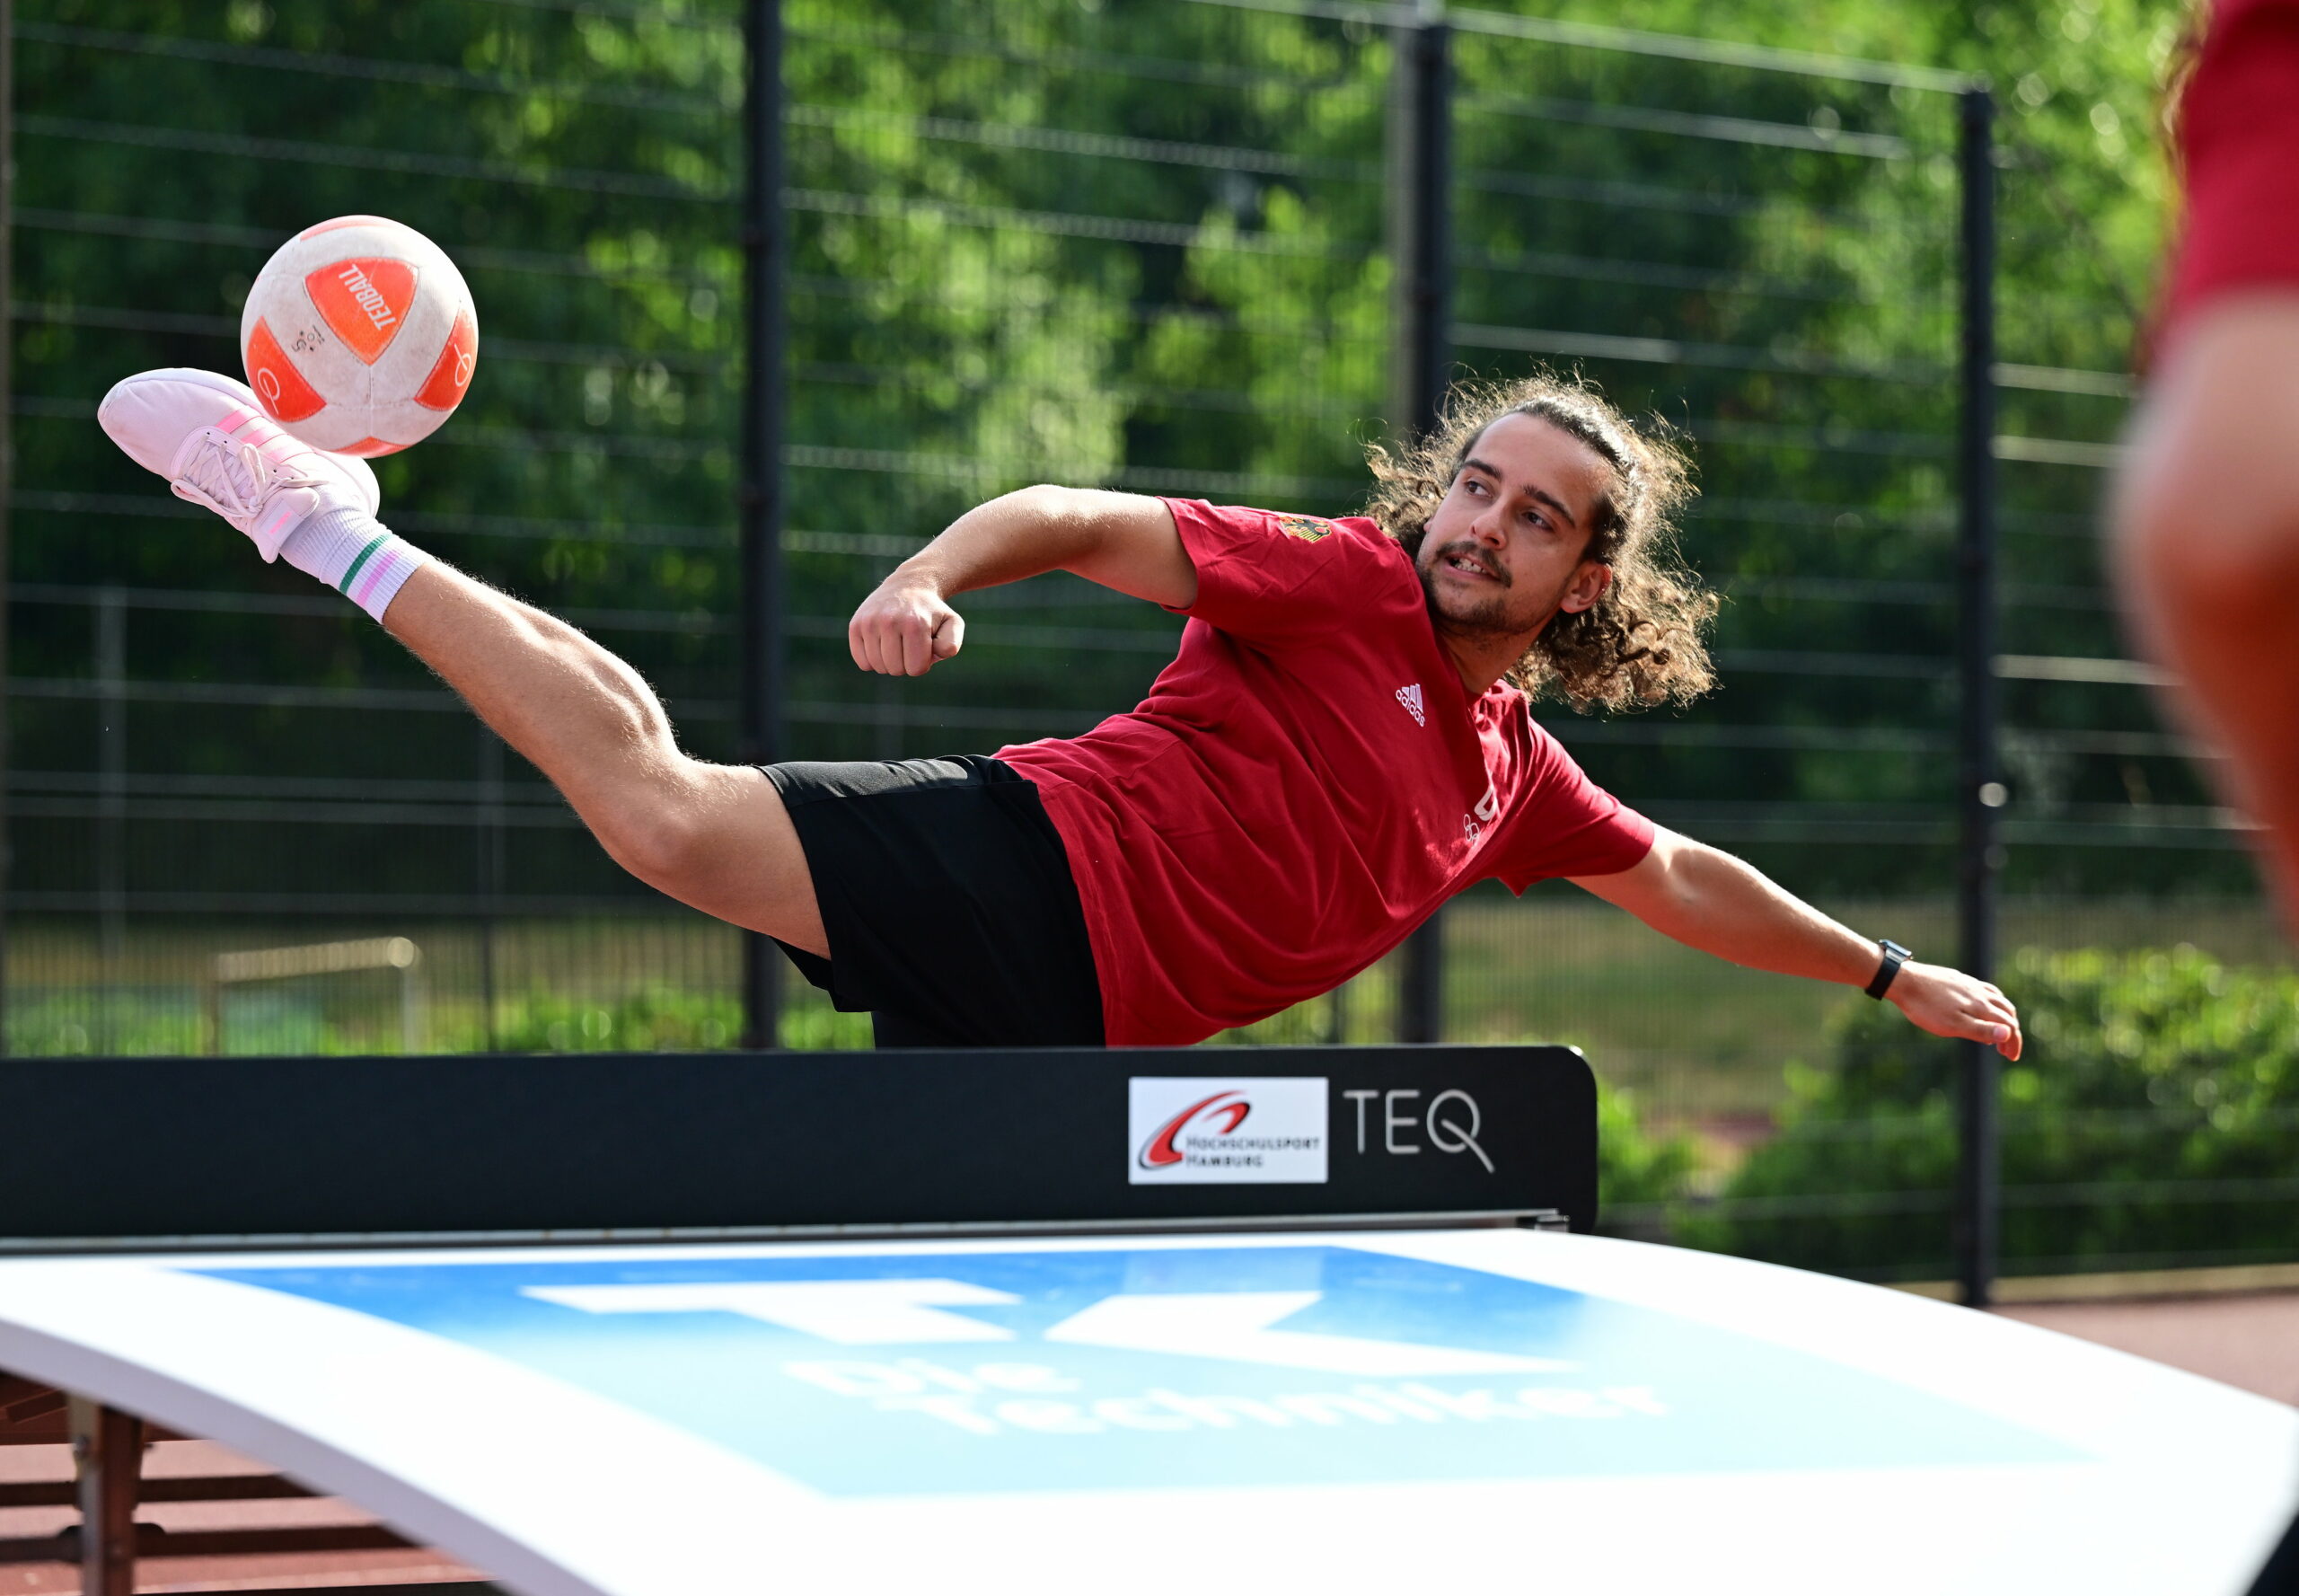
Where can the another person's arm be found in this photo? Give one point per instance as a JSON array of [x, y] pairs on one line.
[[2207, 517], [2206, 506], [1707, 899], [1122, 540]]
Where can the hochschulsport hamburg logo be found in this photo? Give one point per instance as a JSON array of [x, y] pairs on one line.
[[1212, 1130]]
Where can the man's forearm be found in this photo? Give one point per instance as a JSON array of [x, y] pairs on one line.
[[1726, 906], [1709, 900], [1013, 537], [1121, 541]]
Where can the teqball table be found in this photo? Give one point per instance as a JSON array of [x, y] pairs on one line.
[[1290, 1319]]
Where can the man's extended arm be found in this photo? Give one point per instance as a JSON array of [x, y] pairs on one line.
[[1707, 899], [1121, 541]]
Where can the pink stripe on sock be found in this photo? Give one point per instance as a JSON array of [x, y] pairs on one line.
[[387, 559]]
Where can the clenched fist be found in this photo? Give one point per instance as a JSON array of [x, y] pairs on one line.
[[904, 627]]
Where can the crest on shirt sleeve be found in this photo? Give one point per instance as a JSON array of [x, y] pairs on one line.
[[1308, 528]]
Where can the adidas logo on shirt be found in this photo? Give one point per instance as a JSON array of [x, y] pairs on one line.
[[1410, 697]]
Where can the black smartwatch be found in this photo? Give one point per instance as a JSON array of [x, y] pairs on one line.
[[1895, 956]]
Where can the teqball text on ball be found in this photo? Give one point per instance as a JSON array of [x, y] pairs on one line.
[[360, 336]]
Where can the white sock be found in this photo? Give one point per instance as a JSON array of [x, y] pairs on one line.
[[356, 554]]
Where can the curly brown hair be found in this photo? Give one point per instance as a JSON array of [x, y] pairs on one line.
[[1641, 643]]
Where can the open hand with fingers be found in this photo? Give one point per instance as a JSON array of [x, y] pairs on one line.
[[905, 627], [1950, 1003]]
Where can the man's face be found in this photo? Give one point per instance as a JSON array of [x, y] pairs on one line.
[[1503, 554]]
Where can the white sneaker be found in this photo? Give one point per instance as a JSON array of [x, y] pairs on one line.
[[210, 438]]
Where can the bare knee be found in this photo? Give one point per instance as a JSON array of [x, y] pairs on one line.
[[656, 843], [716, 837]]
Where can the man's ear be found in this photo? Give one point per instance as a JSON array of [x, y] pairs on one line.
[[1588, 586]]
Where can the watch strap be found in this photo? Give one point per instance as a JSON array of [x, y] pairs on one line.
[[1895, 956]]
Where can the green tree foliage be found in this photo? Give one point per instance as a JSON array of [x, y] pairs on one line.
[[2157, 1119], [1132, 241], [1635, 1165]]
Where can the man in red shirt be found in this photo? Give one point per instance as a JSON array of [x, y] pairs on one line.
[[1342, 743]]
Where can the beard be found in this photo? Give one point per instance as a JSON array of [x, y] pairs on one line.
[[1485, 617]]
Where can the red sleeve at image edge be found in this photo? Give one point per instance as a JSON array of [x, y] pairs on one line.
[[2239, 139]]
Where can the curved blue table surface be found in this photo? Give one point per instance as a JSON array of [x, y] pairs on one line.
[[1359, 1412]]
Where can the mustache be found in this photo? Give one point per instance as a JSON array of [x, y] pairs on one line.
[[1475, 556]]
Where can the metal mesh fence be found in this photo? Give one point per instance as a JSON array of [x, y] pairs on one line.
[[209, 754], [1147, 246]]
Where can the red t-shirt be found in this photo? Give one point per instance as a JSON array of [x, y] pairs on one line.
[[2239, 144], [1305, 783]]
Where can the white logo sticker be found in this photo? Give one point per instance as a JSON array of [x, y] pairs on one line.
[[1226, 1131]]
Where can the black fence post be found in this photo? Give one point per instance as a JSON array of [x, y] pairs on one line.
[[1421, 154], [1979, 791], [7, 458], [490, 861], [762, 492]]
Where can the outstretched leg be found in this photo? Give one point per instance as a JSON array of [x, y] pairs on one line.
[[714, 836]]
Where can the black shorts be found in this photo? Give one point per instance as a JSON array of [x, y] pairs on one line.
[[947, 898]]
